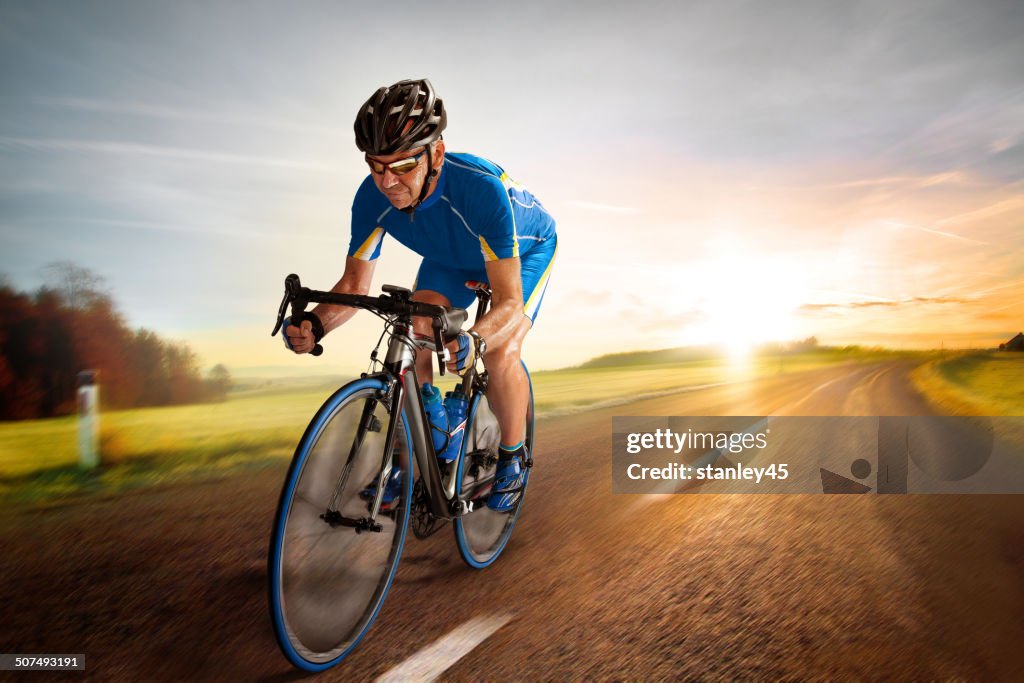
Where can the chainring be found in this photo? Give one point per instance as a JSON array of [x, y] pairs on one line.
[[424, 523]]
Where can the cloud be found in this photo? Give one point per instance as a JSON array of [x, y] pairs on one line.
[[604, 208], [1002, 144], [660, 321], [1000, 207], [894, 303], [894, 182], [1003, 285], [181, 153], [990, 312], [139, 108], [272, 233], [914, 181], [940, 233]]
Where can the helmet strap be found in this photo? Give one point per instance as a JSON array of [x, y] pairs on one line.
[[431, 174]]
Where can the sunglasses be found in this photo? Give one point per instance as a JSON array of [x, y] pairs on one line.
[[400, 167]]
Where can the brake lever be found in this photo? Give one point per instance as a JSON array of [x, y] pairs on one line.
[[291, 287], [292, 295], [439, 344]]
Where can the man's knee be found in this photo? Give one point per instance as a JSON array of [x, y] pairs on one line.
[[507, 354], [420, 324]]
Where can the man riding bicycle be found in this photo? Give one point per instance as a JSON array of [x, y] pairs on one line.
[[469, 221]]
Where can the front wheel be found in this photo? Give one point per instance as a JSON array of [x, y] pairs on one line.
[[328, 578], [482, 534]]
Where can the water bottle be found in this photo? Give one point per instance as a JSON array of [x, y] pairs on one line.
[[437, 415], [456, 404]]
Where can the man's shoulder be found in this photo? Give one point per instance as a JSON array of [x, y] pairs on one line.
[[473, 168], [473, 183]]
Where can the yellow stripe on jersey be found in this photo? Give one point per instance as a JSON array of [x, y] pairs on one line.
[[366, 249], [509, 183], [538, 292], [489, 254]]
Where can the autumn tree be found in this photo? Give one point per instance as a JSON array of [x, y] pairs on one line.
[[72, 324]]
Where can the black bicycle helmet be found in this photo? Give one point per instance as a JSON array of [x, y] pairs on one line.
[[382, 124]]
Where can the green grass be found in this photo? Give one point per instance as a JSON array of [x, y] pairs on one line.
[[38, 458], [977, 383], [260, 425]]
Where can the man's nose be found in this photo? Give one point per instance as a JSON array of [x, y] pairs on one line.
[[389, 179]]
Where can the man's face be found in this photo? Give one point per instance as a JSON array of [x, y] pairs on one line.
[[402, 190]]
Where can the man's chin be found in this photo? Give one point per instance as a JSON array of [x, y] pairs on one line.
[[400, 202]]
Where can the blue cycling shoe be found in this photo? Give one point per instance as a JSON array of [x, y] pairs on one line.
[[392, 491], [508, 483]]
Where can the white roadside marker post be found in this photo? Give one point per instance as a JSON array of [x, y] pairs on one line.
[[88, 420]]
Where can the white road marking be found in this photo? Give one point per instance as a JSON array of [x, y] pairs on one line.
[[815, 390], [438, 657]]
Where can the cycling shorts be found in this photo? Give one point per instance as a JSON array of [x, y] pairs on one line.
[[535, 268]]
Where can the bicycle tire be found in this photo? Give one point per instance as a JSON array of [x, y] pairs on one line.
[[327, 583], [482, 534]]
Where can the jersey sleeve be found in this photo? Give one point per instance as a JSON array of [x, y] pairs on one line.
[[498, 237], [367, 233]]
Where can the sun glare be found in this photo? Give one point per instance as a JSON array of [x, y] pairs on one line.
[[744, 300]]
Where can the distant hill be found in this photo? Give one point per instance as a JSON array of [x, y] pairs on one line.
[[628, 358], [692, 353]]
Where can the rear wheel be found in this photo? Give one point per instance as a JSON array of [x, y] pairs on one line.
[[482, 534], [328, 578]]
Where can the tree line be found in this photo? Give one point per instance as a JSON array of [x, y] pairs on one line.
[[72, 324]]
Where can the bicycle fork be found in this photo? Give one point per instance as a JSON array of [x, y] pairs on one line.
[[368, 422]]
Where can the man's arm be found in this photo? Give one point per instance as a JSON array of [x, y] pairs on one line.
[[356, 280], [500, 324]]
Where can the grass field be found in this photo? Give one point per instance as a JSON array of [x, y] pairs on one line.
[[260, 424], [978, 383]]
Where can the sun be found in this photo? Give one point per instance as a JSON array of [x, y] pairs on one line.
[[744, 300]]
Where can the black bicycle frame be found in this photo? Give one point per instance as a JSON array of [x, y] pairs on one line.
[[403, 385], [399, 368]]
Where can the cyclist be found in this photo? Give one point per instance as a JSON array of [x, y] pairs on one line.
[[469, 221]]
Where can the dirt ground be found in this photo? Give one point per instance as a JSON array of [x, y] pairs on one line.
[[169, 583]]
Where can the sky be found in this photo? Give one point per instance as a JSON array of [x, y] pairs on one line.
[[722, 173]]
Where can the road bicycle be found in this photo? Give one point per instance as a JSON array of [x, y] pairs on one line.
[[336, 540]]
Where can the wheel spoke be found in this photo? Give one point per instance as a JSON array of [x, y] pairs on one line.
[[329, 581], [482, 534]]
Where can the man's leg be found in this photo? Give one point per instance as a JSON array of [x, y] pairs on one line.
[[508, 388], [422, 326], [509, 393]]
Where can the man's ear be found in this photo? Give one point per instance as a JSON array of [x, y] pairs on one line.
[[438, 155]]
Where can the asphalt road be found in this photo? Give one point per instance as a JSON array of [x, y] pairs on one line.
[[169, 583]]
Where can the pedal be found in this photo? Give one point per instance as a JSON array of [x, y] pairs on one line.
[[367, 524], [336, 519], [461, 507], [480, 460]]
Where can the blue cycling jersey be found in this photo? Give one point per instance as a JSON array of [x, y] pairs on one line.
[[475, 214]]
